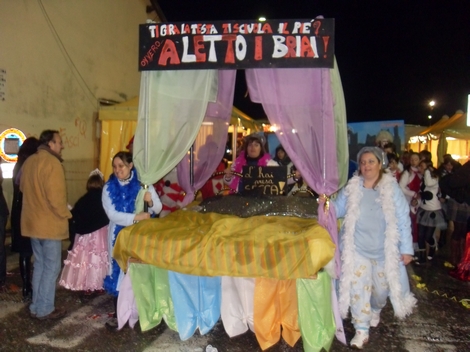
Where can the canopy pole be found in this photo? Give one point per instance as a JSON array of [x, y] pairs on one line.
[[234, 142], [191, 165]]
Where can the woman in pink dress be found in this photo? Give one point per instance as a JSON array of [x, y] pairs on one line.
[[87, 263]]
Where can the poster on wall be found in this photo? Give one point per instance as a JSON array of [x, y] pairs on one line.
[[3, 82], [375, 133], [236, 44]]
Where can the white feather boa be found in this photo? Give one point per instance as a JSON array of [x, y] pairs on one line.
[[403, 302]]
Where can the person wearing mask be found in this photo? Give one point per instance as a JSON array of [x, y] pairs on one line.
[[44, 218], [375, 244], [20, 243], [119, 197]]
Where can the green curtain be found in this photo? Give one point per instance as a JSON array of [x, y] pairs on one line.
[[341, 130], [172, 107], [316, 320], [441, 148], [152, 296]]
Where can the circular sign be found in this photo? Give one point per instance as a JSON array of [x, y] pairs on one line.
[[10, 142]]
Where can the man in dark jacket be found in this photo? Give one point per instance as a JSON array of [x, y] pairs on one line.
[[456, 186]]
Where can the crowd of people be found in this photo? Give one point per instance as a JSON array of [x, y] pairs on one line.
[[420, 208], [435, 213]]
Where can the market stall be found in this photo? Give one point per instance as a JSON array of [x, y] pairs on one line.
[[119, 121], [449, 135]]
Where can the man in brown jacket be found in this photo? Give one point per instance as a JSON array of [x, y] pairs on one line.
[[44, 218]]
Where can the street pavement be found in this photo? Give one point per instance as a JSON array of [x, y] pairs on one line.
[[440, 323]]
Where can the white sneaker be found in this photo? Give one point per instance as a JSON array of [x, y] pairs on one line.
[[375, 320], [360, 339]]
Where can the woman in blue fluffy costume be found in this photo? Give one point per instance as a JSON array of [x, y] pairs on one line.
[[119, 196], [376, 244]]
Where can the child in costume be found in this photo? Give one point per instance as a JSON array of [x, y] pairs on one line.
[[87, 263], [430, 214]]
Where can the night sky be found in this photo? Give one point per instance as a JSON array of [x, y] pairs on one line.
[[393, 56]]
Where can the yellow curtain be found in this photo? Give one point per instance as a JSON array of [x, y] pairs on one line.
[[115, 135], [458, 147]]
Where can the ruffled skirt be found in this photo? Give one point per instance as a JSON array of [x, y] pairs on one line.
[[87, 263], [432, 218]]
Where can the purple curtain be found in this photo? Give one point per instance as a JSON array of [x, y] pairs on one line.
[[209, 146], [300, 104]]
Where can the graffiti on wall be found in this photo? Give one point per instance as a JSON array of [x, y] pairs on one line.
[[71, 138]]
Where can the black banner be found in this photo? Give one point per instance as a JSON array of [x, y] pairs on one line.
[[264, 180], [236, 45]]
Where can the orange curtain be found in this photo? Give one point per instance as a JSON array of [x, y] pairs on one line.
[[275, 305]]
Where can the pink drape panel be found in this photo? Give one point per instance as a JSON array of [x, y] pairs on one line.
[[299, 102], [210, 143]]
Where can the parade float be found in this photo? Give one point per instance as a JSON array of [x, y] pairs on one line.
[[265, 263]]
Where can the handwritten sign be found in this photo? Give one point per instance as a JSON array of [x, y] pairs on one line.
[[236, 45], [264, 180]]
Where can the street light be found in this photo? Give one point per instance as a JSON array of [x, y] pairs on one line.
[[432, 103]]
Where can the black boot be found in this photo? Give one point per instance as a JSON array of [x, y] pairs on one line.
[[421, 257], [443, 239], [112, 323], [25, 270]]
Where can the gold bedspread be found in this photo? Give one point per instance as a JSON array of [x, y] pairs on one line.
[[213, 244]]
